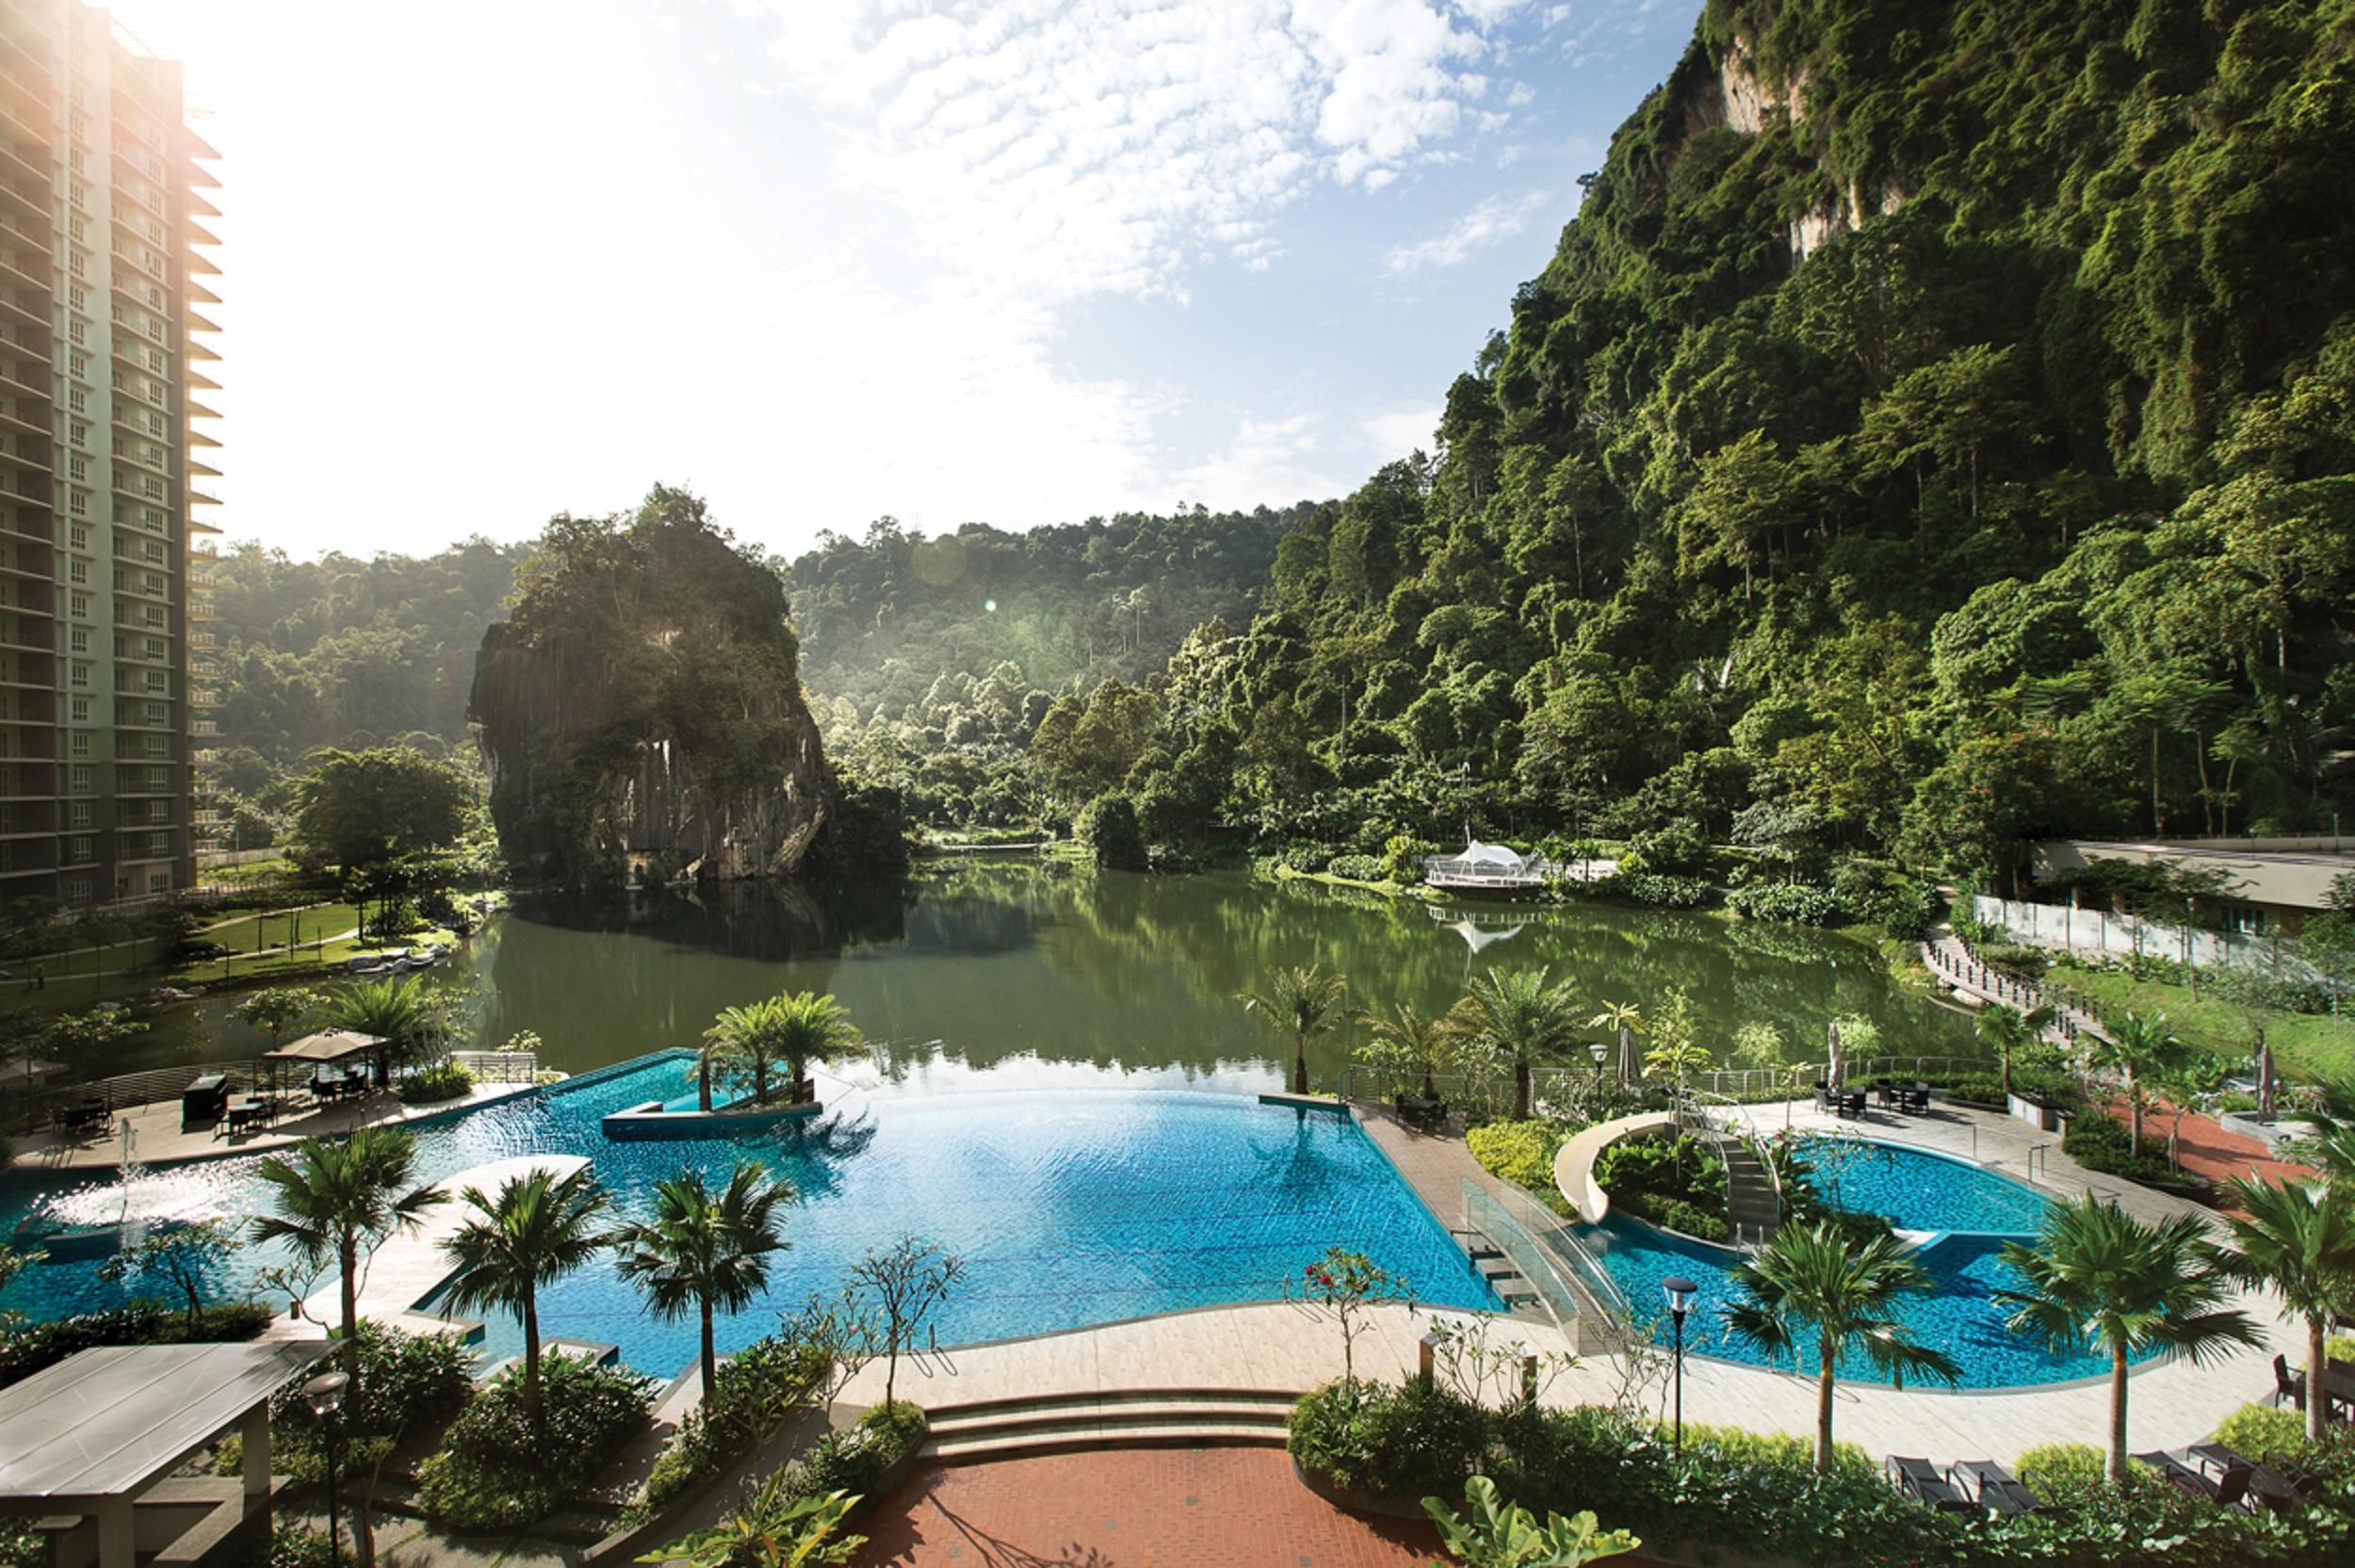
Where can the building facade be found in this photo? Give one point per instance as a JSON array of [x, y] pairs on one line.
[[104, 704]]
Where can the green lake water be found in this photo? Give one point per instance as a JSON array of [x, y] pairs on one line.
[[1008, 973]]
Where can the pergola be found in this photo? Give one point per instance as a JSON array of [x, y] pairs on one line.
[[98, 1435], [327, 1047]]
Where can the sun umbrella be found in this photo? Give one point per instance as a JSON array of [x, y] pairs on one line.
[[1831, 1036]]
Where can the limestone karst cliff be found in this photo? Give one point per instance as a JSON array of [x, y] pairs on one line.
[[641, 709]]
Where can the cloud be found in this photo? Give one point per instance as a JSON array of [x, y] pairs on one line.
[[1401, 432], [1070, 148], [1498, 218], [1269, 462]]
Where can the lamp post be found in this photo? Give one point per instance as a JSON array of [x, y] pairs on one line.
[[1679, 1293], [326, 1396], [1599, 1051]]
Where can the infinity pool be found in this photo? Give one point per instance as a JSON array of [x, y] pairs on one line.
[[1069, 1208], [1967, 1214]]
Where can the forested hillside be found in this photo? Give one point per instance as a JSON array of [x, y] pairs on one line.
[[1934, 428]]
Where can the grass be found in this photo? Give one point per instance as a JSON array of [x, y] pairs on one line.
[[2306, 1046]]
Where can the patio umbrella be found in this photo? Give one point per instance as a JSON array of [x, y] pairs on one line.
[[1832, 1069], [26, 1071]]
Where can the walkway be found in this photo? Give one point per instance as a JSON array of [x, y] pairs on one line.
[[2203, 1148], [1149, 1508], [157, 1138], [1952, 961]]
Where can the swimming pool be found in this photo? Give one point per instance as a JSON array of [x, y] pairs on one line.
[[1069, 1208], [1967, 1213]]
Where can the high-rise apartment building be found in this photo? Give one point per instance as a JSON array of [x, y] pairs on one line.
[[105, 704]]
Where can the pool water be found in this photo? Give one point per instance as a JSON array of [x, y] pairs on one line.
[[1971, 1213], [1069, 1208]]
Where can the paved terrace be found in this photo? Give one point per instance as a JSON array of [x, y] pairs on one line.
[[1292, 1347], [157, 1138]]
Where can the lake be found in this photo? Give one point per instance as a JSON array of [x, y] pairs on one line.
[[1006, 972]]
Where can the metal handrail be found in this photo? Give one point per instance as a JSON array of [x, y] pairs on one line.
[[1746, 1128]]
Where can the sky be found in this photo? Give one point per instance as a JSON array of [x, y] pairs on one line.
[[823, 261]]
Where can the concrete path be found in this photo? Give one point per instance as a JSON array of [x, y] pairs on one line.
[[157, 1138]]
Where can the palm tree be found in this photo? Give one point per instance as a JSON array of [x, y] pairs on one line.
[[2012, 1031], [2131, 1046], [1406, 1041], [1300, 1004], [391, 1009], [2298, 1241], [537, 1231], [1817, 1276], [2098, 1276], [1627, 1020], [338, 1201], [794, 1029], [703, 1252], [1514, 1018]]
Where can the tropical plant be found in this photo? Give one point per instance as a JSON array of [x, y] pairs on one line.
[[2098, 1277], [704, 1252], [276, 1011], [1676, 1053], [2133, 1046], [539, 1228], [1512, 1019], [2012, 1032], [1403, 1042], [891, 1291], [338, 1201], [1493, 1533], [2296, 1239], [770, 1528], [1301, 1005], [182, 1256], [1625, 1020], [1347, 1283], [791, 1029], [1816, 1277], [390, 1009]]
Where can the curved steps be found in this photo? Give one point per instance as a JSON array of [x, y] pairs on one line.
[[1134, 1418]]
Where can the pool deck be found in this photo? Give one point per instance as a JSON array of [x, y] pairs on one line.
[[157, 1138]]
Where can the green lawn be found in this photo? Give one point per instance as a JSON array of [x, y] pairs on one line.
[[2306, 1045], [251, 932]]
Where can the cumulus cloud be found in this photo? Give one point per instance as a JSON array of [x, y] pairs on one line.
[[1396, 433], [1498, 218]]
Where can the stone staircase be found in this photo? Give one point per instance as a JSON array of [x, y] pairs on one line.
[[1020, 1427], [1752, 1208]]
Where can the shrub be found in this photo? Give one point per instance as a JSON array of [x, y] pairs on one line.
[[1661, 892], [442, 1080], [1360, 868], [1677, 848], [293, 1547], [407, 1383], [1794, 903], [1517, 1152], [1403, 856], [1403, 1442], [499, 1471], [1662, 1168], [143, 1322], [2099, 1141], [2070, 1474], [2264, 1433], [1108, 826], [20, 1546], [1310, 858], [757, 1389], [856, 1460]]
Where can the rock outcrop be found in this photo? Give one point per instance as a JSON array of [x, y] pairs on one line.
[[640, 712]]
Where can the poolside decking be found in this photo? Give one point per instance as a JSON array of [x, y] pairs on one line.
[[158, 1139]]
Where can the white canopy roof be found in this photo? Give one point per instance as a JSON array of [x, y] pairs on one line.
[[1477, 853]]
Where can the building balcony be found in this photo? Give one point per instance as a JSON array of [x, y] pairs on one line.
[[205, 727], [203, 698], [204, 640]]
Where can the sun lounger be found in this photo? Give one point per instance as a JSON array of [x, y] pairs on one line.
[[1996, 1489], [2229, 1490], [1919, 1478], [2271, 1487]]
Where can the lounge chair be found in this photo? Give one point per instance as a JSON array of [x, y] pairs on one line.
[[2278, 1491], [1919, 1478], [1996, 1489], [2229, 1490]]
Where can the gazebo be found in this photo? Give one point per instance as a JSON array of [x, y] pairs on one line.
[[1485, 866], [330, 1046], [88, 1447]]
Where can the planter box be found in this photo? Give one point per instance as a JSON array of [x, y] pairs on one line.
[[2273, 1133], [1355, 1501]]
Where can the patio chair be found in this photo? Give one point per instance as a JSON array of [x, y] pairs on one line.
[[2229, 1490], [2279, 1491], [1919, 1478], [2287, 1384], [1996, 1489], [1916, 1099], [1822, 1098]]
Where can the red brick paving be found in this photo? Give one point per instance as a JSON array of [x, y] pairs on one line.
[[2207, 1151]]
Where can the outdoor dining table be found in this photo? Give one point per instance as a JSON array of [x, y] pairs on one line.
[[246, 1110]]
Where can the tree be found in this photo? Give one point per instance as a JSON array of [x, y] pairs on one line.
[[899, 1287], [1108, 826], [337, 1202], [2133, 1046], [1404, 1042], [793, 1028], [1493, 1533], [1345, 1283], [539, 1228], [87, 1036], [1514, 1020], [2097, 1275], [2327, 941], [363, 808], [393, 1011], [276, 1011], [184, 1256], [1676, 1053], [1820, 1277], [2296, 1239], [2012, 1031], [704, 1252], [1302, 1005]]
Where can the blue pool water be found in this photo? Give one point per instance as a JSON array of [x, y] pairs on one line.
[[1070, 1208], [1975, 1213]]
